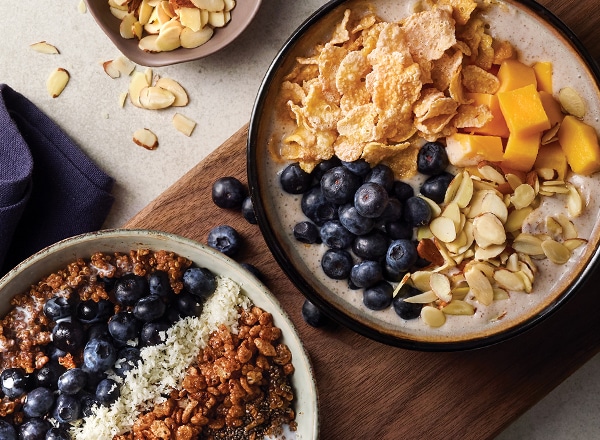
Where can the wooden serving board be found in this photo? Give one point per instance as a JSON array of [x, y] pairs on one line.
[[373, 391]]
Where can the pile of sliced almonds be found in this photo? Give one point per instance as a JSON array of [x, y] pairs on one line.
[[486, 242], [162, 25]]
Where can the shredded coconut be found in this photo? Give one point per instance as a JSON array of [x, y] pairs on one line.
[[163, 366]]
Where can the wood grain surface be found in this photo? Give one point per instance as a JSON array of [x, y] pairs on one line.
[[372, 391]]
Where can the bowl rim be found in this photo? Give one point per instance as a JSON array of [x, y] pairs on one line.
[[179, 55], [542, 13], [23, 272]]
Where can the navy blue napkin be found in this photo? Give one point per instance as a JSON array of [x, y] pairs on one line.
[[49, 189]]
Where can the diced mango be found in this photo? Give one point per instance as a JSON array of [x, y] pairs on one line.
[[552, 157], [469, 149], [521, 151], [497, 126], [523, 111], [551, 107], [543, 75], [579, 141], [513, 74]]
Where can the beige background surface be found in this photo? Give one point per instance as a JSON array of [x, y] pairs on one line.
[[222, 89]]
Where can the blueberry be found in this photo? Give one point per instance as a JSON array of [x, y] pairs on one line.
[[38, 402], [53, 352], [107, 392], [339, 185], [99, 355], [353, 221], [316, 207], [432, 158], [371, 246], [99, 330], [324, 166], [336, 263], [307, 232], [7, 431], [187, 304], [72, 381], [248, 211], [252, 269], [392, 212], [159, 284], [402, 190], [123, 326], [435, 187], [366, 274], [312, 315], [370, 200], [403, 309], [15, 382], [382, 175], [130, 288], [127, 360], [199, 281], [391, 274], [401, 255], [417, 212], [91, 311], [149, 308], [88, 401], [335, 236], [225, 239], [294, 180], [67, 409], [68, 336], [153, 333], [378, 296], [57, 307], [48, 375], [34, 429], [228, 192], [359, 167], [399, 229], [58, 434]]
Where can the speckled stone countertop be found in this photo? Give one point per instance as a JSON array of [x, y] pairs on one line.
[[222, 89]]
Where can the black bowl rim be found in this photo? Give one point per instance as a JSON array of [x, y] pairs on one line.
[[312, 295]]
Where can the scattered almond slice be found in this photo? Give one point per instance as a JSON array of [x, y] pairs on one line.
[[183, 124], [181, 96], [110, 69], [155, 98], [139, 81], [432, 316], [122, 99], [81, 7], [57, 81], [145, 138], [44, 47]]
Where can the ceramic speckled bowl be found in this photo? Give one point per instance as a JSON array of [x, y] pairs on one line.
[[58, 255], [241, 16], [538, 35]]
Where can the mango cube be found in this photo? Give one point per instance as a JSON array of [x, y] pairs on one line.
[[497, 126], [552, 108], [543, 75], [521, 151], [552, 157], [469, 149], [523, 111], [579, 141], [513, 74]]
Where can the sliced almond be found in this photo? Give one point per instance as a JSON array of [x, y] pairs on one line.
[[229, 4], [155, 98], [432, 316], [458, 307], [44, 47], [488, 230], [126, 26], [191, 18], [110, 69], [556, 252], [574, 243], [183, 124], [420, 279], [139, 81], [523, 196], [528, 244], [568, 227], [571, 102], [493, 204], [453, 188], [169, 36], [181, 96], [82, 7], [550, 135], [464, 192], [148, 43], [490, 252], [190, 39], [492, 174], [435, 208], [118, 13], [500, 294], [440, 285], [124, 65], [57, 81], [443, 228], [516, 218], [144, 12], [426, 297], [210, 5], [480, 286], [145, 138], [509, 280], [217, 19], [574, 201], [460, 292]]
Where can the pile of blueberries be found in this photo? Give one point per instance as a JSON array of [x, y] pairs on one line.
[[103, 339], [366, 219]]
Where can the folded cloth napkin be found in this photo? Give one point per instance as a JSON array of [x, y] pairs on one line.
[[49, 189]]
